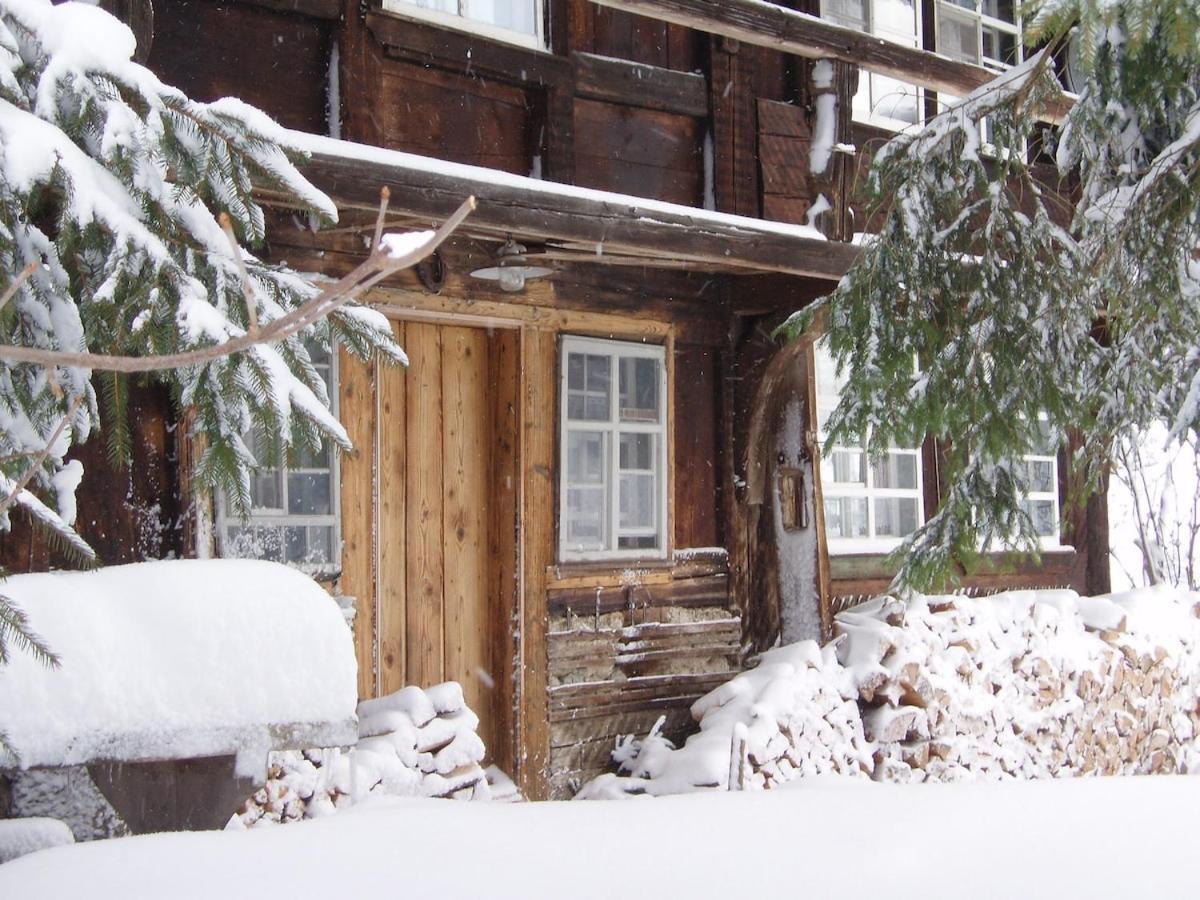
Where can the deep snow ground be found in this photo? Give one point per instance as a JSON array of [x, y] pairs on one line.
[[1087, 837]]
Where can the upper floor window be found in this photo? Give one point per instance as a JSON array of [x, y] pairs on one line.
[[612, 450], [294, 504], [869, 506], [882, 100], [515, 21], [983, 32]]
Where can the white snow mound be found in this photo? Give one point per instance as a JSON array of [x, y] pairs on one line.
[[165, 660]]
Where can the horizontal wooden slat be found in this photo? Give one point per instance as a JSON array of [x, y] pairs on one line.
[[784, 119], [316, 9], [711, 590], [637, 84], [778, 28], [573, 696]]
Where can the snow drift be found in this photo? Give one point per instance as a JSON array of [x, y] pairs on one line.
[[1025, 684], [177, 659]]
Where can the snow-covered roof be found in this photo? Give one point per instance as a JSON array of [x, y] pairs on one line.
[[176, 659], [603, 221]]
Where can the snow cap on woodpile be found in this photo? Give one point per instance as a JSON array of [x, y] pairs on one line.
[[176, 659], [1024, 684]]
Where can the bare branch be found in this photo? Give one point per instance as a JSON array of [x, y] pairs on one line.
[[375, 268], [24, 480], [385, 194], [21, 278], [251, 300]]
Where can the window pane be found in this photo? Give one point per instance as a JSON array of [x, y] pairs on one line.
[[307, 459], [308, 494], [894, 99], [585, 457], [895, 19], [518, 15], [639, 389], [844, 467], [254, 542], [845, 517], [896, 470], [852, 13], [450, 6], [1000, 9], [588, 384], [265, 490], [957, 39], [1042, 513], [1045, 444], [895, 516], [636, 502], [1040, 475], [637, 451], [1000, 46], [637, 542], [585, 518]]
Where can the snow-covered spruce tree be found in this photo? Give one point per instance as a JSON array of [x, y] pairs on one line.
[[110, 187], [1092, 324]]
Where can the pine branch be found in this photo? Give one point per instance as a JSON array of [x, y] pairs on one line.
[[14, 628], [378, 266]]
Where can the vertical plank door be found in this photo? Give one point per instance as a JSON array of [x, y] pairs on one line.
[[446, 520]]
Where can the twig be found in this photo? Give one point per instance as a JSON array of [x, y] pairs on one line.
[[251, 300], [385, 194], [41, 457], [375, 268], [21, 278]]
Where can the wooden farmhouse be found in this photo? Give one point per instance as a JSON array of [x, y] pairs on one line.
[[598, 486]]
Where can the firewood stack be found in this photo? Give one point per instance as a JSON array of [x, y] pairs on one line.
[[1026, 684], [413, 743]]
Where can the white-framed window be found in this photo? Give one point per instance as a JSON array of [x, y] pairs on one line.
[[983, 32], [294, 509], [515, 21], [612, 449], [881, 100], [1041, 496], [869, 507]]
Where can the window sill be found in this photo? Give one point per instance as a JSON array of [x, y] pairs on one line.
[[495, 33]]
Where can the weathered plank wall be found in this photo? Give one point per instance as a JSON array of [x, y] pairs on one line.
[[625, 650], [278, 61]]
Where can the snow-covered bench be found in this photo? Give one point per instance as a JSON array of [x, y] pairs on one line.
[[176, 680]]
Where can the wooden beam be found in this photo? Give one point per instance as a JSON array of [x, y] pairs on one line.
[[777, 28], [638, 84], [605, 221], [316, 9]]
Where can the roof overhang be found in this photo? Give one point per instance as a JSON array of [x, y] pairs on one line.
[[567, 218]]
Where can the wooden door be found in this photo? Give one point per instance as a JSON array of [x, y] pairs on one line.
[[446, 503]]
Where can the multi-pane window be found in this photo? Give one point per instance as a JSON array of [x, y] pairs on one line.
[[869, 506], [881, 99], [1041, 477], [293, 507], [613, 493], [518, 21], [983, 32]]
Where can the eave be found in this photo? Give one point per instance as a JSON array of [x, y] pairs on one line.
[[567, 218]]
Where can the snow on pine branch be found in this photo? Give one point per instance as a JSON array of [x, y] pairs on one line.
[[110, 186], [991, 309]]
